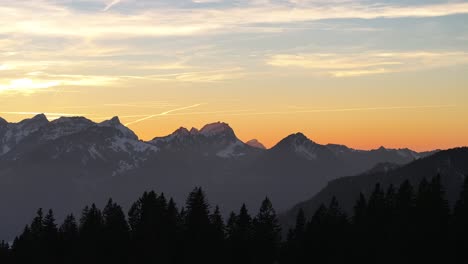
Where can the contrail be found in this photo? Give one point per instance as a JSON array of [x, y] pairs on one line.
[[348, 109], [111, 4], [162, 114]]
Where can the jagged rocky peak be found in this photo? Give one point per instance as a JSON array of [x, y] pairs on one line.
[[296, 140], [194, 131], [123, 130], [39, 118], [3, 122], [217, 129], [65, 126], [182, 131], [255, 143], [34, 123]]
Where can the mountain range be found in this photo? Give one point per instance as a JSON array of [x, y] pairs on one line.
[[69, 162], [451, 165]]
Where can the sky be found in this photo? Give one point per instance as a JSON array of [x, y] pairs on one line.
[[356, 72]]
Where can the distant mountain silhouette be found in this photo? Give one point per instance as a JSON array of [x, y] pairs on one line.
[[72, 161], [451, 165]]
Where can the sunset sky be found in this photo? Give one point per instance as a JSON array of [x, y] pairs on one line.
[[356, 72]]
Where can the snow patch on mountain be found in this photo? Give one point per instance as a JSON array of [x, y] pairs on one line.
[[305, 152], [123, 166], [230, 150], [130, 145], [65, 126]]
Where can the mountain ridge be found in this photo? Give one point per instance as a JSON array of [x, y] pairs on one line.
[[450, 164], [67, 163]]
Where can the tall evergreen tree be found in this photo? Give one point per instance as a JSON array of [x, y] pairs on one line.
[[460, 225], [403, 228], [116, 234], [240, 234], [4, 252], [360, 230], [266, 231], [432, 215], [50, 238], [197, 228], [293, 250], [316, 242], [148, 230], [22, 249], [91, 235], [376, 220], [68, 241], [217, 235]]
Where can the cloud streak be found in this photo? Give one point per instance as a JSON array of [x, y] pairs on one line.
[[379, 108], [162, 114], [369, 63], [53, 20], [111, 4]]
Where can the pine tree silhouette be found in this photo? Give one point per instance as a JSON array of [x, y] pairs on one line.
[[147, 222], [91, 235], [266, 232], [240, 234], [293, 250], [197, 228], [68, 241], [49, 238], [217, 235], [4, 252], [116, 234]]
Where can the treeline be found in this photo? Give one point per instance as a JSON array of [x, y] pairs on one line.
[[403, 224]]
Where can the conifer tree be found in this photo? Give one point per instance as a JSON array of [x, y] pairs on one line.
[[50, 238], [432, 214], [240, 235], [460, 227], [266, 232], [4, 252], [116, 234], [91, 235], [197, 226], [68, 241], [217, 236], [22, 249], [293, 250]]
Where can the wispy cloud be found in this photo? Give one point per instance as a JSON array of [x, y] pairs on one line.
[[162, 114], [357, 109], [52, 20], [367, 63], [111, 4]]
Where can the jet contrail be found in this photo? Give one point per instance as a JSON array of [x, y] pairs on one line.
[[111, 4], [162, 114], [348, 109]]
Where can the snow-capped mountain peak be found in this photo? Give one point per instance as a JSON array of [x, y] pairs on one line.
[[123, 130]]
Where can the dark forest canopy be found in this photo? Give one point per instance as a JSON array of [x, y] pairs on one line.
[[401, 224]]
